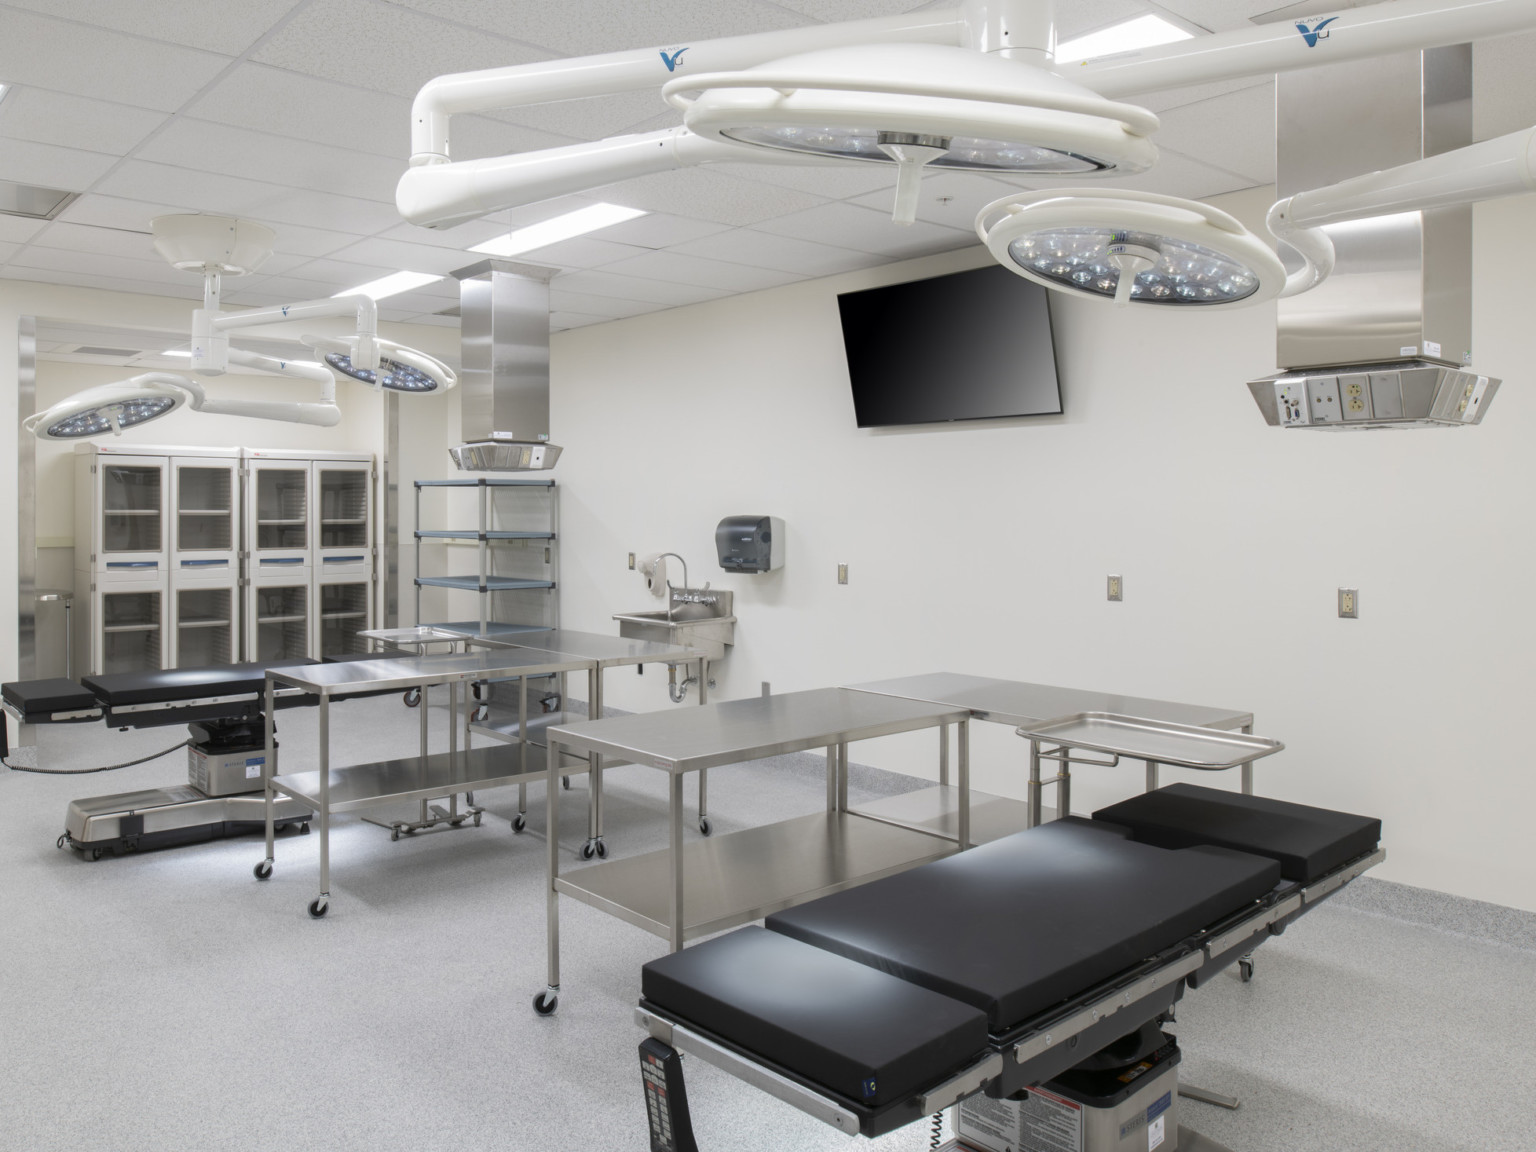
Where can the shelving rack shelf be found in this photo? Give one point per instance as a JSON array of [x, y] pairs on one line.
[[538, 525]]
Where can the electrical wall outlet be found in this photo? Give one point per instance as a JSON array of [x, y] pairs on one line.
[[631, 561], [1349, 603], [842, 573], [1115, 586]]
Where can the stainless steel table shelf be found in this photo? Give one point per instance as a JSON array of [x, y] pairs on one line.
[[746, 874], [1020, 704], [419, 778]]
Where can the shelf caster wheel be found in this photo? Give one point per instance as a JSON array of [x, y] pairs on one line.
[[394, 833], [59, 843], [477, 819], [519, 822], [304, 828], [545, 1003], [95, 853], [480, 714], [1245, 969], [263, 871], [565, 782], [602, 850], [412, 697], [705, 827], [588, 850], [477, 690], [319, 906]]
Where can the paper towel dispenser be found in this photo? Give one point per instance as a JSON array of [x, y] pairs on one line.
[[750, 543]]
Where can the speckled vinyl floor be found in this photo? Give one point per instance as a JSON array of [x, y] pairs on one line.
[[169, 1001]]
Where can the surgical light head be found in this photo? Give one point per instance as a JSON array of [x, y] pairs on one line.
[[401, 369], [109, 408], [1131, 247]]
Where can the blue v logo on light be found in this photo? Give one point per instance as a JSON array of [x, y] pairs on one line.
[[1310, 35], [670, 60]]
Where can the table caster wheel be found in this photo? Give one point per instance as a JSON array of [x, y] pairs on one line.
[[477, 819], [394, 833], [319, 906], [588, 850], [263, 871], [95, 853], [519, 822], [602, 850], [565, 782], [705, 827], [412, 697], [545, 1004], [480, 714], [1245, 969]]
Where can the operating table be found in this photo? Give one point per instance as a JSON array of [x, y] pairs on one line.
[[1032, 972], [222, 707]]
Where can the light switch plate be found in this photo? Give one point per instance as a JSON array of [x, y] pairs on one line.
[[1115, 586], [631, 561], [842, 573], [1349, 603]]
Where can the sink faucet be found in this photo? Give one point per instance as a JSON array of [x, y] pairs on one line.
[[684, 563], [683, 594]]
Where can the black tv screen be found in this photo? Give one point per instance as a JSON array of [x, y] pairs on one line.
[[967, 346]]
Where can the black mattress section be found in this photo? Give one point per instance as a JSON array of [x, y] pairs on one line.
[[1018, 925], [41, 697], [845, 1026], [1307, 842], [120, 689]]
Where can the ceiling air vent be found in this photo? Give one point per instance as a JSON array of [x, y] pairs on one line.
[[33, 202]]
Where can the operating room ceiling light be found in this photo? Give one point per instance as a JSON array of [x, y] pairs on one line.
[[1131, 247], [401, 369], [109, 408], [1143, 32], [391, 285], [917, 106], [566, 226]]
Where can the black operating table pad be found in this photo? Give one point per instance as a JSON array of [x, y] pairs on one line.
[[874, 995]]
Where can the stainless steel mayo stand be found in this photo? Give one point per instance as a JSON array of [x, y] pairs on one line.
[[418, 777], [605, 652], [743, 876], [1019, 704]]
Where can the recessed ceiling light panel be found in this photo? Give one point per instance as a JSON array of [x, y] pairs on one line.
[[1131, 247], [965, 110]]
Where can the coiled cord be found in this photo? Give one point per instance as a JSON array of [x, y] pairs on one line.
[[88, 771], [937, 1138]]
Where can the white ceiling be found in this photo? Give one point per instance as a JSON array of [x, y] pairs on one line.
[[295, 113]]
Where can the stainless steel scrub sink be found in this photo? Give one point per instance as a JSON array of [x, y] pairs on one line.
[[700, 619]]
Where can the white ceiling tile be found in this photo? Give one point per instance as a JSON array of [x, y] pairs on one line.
[[309, 242], [833, 181], [154, 270], [234, 196], [403, 257], [392, 315], [592, 118], [613, 25], [66, 57], [745, 246], [1161, 102], [659, 230], [7, 251], [680, 269], [847, 225], [609, 307], [226, 28], [560, 321], [135, 245], [114, 212], [602, 283], [104, 283], [251, 155], [1235, 132], [951, 199], [579, 252], [707, 195], [460, 236], [74, 121], [50, 166], [433, 318], [833, 11], [19, 228], [284, 290], [1082, 16], [1503, 97], [339, 274], [286, 103], [1227, 15], [384, 46], [1177, 175]]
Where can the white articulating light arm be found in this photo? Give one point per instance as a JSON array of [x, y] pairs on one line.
[[364, 308], [1504, 166], [325, 415], [1352, 34]]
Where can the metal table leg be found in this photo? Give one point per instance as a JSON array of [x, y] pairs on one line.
[[1035, 796], [321, 904], [1064, 784], [943, 755], [703, 772], [1248, 767], [546, 1001], [1151, 775], [594, 845], [842, 777], [831, 779], [675, 939], [264, 869], [963, 739]]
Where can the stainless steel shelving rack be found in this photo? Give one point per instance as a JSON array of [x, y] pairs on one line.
[[485, 581]]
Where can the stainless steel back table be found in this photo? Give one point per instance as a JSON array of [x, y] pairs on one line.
[[605, 652], [1021, 705], [419, 777], [745, 875]]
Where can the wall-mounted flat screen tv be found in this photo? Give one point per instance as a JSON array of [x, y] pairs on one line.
[[968, 346]]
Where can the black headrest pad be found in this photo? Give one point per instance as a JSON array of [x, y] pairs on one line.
[[39, 697], [1020, 924], [863, 1034], [1308, 842]]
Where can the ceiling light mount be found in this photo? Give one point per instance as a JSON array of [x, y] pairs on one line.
[[212, 244]]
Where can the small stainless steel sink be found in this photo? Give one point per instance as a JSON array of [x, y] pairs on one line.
[[702, 626]]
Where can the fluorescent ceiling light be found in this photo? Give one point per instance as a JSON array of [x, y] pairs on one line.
[[179, 353], [4, 88], [391, 285], [558, 228], [1142, 32]]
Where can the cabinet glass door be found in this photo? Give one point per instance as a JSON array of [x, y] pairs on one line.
[[282, 509], [205, 508], [131, 507], [343, 614], [130, 631], [281, 622], [205, 626], [343, 507]]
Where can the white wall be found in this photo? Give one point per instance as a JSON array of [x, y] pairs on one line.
[[983, 548]]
